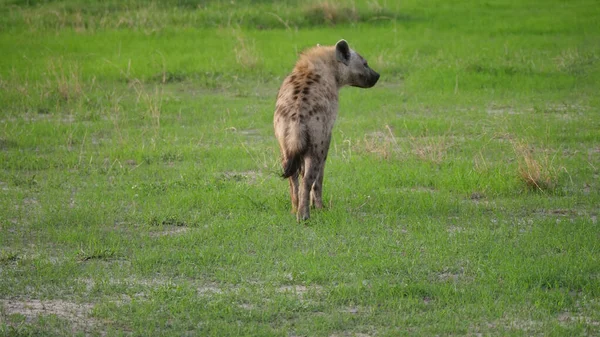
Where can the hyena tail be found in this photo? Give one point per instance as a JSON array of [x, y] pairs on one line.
[[296, 147], [291, 166]]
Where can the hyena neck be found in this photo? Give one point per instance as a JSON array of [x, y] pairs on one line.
[[321, 61]]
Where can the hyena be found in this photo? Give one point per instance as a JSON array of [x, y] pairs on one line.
[[306, 109]]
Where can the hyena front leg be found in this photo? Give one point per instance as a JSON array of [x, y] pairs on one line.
[[294, 191], [311, 171]]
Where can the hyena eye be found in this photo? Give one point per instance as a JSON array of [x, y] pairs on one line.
[[366, 64]]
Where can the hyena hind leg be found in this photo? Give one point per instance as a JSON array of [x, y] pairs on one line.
[[311, 173], [294, 187], [316, 193]]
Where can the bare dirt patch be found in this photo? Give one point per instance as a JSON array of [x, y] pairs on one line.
[[247, 306], [76, 313], [170, 231], [209, 290], [352, 310], [299, 290], [347, 333], [567, 318], [502, 110], [131, 281]]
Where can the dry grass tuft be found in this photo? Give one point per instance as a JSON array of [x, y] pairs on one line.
[[574, 62], [245, 52], [381, 143], [426, 148], [538, 174], [432, 149], [330, 12], [65, 81], [151, 103]]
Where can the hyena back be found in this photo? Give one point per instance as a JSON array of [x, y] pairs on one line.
[[305, 112]]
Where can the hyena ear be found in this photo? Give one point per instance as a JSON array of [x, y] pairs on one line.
[[342, 52]]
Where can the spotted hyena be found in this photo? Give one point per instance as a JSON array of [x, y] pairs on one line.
[[305, 112]]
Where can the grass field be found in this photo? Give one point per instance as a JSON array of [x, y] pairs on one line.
[[139, 171]]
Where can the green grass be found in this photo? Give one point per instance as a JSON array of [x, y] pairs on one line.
[[139, 171]]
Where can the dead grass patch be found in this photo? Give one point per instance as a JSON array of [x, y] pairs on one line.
[[427, 148], [535, 171], [65, 80], [245, 52], [330, 12], [381, 143], [151, 108], [432, 149], [575, 62]]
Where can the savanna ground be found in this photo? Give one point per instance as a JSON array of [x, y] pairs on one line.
[[139, 172]]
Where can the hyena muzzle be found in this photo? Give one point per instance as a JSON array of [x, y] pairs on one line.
[[306, 109]]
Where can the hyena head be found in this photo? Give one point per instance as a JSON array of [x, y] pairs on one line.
[[353, 69]]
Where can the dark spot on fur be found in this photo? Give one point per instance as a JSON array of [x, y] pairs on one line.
[[292, 78], [296, 91], [317, 118], [309, 82], [283, 111], [304, 99], [317, 78], [295, 97], [322, 152], [306, 90]]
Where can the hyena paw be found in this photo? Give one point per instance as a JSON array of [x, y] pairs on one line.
[[302, 217]]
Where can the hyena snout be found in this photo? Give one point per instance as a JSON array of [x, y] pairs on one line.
[[372, 78], [366, 79]]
